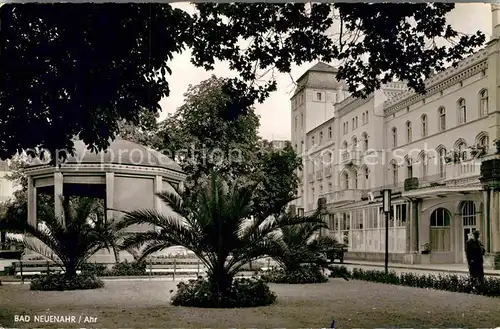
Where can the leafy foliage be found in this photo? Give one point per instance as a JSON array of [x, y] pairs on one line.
[[242, 293], [58, 282], [72, 242], [304, 274], [219, 230], [75, 82], [301, 244], [452, 282]]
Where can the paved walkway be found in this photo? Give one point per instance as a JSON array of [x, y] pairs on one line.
[[430, 268]]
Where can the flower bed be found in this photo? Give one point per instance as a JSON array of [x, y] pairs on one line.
[[448, 282], [244, 293], [59, 282]]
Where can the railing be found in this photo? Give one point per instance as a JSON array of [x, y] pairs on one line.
[[463, 169], [344, 195], [353, 156], [431, 180]]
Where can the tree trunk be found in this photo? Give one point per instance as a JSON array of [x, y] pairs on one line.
[[117, 254], [220, 279], [70, 269]]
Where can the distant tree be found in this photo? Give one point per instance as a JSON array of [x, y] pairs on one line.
[[82, 68], [145, 133]]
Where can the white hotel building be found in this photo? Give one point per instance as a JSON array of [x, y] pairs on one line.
[[428, 149]]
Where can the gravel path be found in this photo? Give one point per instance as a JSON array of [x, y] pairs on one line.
[[136, 304]]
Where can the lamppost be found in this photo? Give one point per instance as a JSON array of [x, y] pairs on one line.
[[386, 197]]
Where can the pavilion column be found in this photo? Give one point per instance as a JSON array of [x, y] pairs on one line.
[[110, 192], [32, 194], [158, 187], [58, 195]]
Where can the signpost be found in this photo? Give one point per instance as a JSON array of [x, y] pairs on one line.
[[386, 194]]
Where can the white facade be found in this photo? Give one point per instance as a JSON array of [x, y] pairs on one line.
[[354, 148], [7, 187]]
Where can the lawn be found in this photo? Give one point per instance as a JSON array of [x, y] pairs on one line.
[[141, 304]]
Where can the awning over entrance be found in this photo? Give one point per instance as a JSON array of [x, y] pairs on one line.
[[440, 191]]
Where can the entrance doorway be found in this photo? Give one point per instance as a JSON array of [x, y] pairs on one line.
[[469, 223]]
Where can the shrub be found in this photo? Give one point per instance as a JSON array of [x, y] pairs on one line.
[[448, 282], [306, 274], [126, 268], [95, 269], [243, 293], [60, 282]]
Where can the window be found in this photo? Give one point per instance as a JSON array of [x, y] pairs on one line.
[[484, 141], [363, 119], [395, 174], [295, 123], [353, 124], [301, 120], [300, 211], [440, 237], [394, 137], [469, 213], [442, 119], [462, 111], [367, 178], [366, 116], [356, 120], [345, 180], [462, 149], [301, 146], [365, 141], [330, 187], [355, 182], [318, 96], [354, 143], [313, 140], [408, 132], [409, 168], [344, 128], [483, 103], [424, 125], [423, 161], [442, 163], [329, 132], [320, 137], [344, 145]]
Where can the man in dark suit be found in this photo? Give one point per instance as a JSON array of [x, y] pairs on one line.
[[474, 250]]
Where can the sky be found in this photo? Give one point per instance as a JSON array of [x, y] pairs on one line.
[[275, 111]]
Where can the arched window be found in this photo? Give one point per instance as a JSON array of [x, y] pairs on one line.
[[409, 168], [440, 237], [483, 103], [344, 145], [408, 132], [469, 213], [442, 163], [423, 161], [394, 137], [355, 181], [424, 125], [354, 143], [395, 174], [462, 111], [367, 177], [462, 149], [365, 141], [345, 180], [484, 141], [442, 119]]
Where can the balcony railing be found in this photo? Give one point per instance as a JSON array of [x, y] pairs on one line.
[[344, 195], [463, 169], [352, 156]]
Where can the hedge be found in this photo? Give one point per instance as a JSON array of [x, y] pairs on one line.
[[448, 282]]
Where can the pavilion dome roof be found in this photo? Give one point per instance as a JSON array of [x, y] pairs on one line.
[[122, 152]]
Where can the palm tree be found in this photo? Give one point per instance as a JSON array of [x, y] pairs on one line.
[[72, 242], [218, 228], [301, 244]]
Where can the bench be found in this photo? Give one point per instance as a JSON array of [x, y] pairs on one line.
[[337, 252], [33, 268]]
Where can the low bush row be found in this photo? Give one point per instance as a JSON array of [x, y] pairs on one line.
[[306, 274], [243, 293], [448, 282], [121, 269], [60, 282]]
